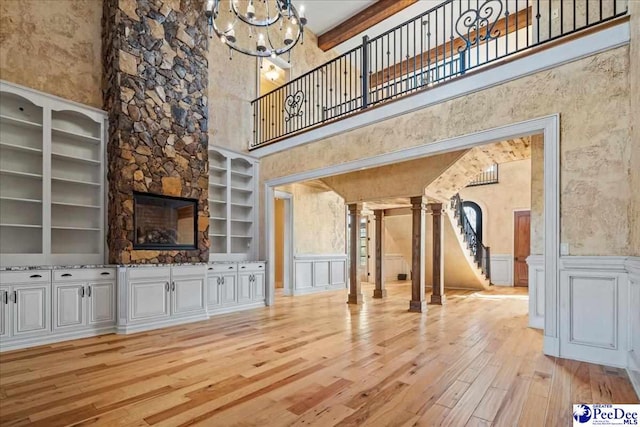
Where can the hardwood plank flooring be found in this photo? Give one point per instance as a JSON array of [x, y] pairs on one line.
[[314, 360]]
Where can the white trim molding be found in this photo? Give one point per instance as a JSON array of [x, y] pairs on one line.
[[501, 269], [319, 273], [536, 291]]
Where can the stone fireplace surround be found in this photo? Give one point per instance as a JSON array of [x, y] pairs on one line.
[[155, 83]]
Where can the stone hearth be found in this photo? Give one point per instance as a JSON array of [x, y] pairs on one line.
[[155, 83]]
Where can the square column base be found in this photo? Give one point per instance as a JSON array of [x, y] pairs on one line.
[[379, 293], [417, 306], [437, 299], [355, 299]]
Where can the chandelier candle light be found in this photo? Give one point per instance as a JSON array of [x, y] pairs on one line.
[[261, 28]]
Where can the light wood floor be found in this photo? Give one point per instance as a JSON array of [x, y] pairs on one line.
[[314, 360]]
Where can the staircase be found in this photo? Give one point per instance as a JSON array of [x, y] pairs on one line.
[[480, 254]]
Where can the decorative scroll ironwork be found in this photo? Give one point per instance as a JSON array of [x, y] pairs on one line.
[[476, 25], [293, 105], [439, 45], [481, 254]]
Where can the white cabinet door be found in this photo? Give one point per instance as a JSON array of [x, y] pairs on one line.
[[187, 295], [68, 306], [244, 287], [5, 318], [213, 291], [148, 300], [228, 289], [258, 287], [101, 303], [31, 310]]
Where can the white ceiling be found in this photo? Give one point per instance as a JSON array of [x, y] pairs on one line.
[[323, 15]]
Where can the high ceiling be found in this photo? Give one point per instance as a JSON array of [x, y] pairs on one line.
[[323, 15]]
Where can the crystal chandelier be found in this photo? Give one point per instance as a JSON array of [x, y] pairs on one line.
[[261, 28]]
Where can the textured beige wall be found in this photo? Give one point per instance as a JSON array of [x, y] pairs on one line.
[[457, 272], [537, 195], [595, 141], [233, 85], [498, 201], [319, 220], [53, 46], [404, 179]]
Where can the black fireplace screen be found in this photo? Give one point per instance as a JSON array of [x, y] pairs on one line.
[[163, 222]]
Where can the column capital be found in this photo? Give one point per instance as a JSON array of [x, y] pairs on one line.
[[354, 207], [418, 203], [378, 214], [435, 208]]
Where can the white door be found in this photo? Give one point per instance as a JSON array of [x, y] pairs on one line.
[[68, 306], [258, 286], [228, 289], [101, 303], [5, 328], [187, 296], [148, 300], [31, 310], [244, 287], [213, 291]]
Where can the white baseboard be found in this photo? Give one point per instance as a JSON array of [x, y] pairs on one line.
[[235, 308], [148, 326], [20, 343]]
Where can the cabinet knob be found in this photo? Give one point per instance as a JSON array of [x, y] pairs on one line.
[[173, 286], [89, 291], [65, 275], [231, 268], [15, 297], [166, 286], [35, 276], [6, 297], [82, 291], [105, 273]]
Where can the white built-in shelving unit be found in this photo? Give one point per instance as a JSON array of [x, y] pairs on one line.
[[51, 179], [232, 205]]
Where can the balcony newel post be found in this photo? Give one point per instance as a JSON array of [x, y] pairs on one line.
[[365, 71]]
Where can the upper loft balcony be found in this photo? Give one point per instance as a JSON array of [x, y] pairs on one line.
[[451, 40]]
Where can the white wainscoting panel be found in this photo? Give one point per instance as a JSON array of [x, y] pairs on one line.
[[318, 273], [502, 269], [633, 364], [536, 291], [395, 264], [594, 298]]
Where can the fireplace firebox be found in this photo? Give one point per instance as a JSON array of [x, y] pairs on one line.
[[164, 222]]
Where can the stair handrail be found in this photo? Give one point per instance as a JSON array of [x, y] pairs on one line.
[[481, 253]]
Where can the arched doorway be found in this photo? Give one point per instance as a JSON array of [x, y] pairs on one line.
[[474, 215]]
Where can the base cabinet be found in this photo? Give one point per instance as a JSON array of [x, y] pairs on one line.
[[161, 296], [149, 300], [101, 303], [234, 286], [69, 306]]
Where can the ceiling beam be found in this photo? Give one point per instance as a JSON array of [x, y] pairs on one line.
[[362, 21]]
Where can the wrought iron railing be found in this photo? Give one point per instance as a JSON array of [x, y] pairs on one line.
[[481, 254], [436, 46], [488, 176]]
